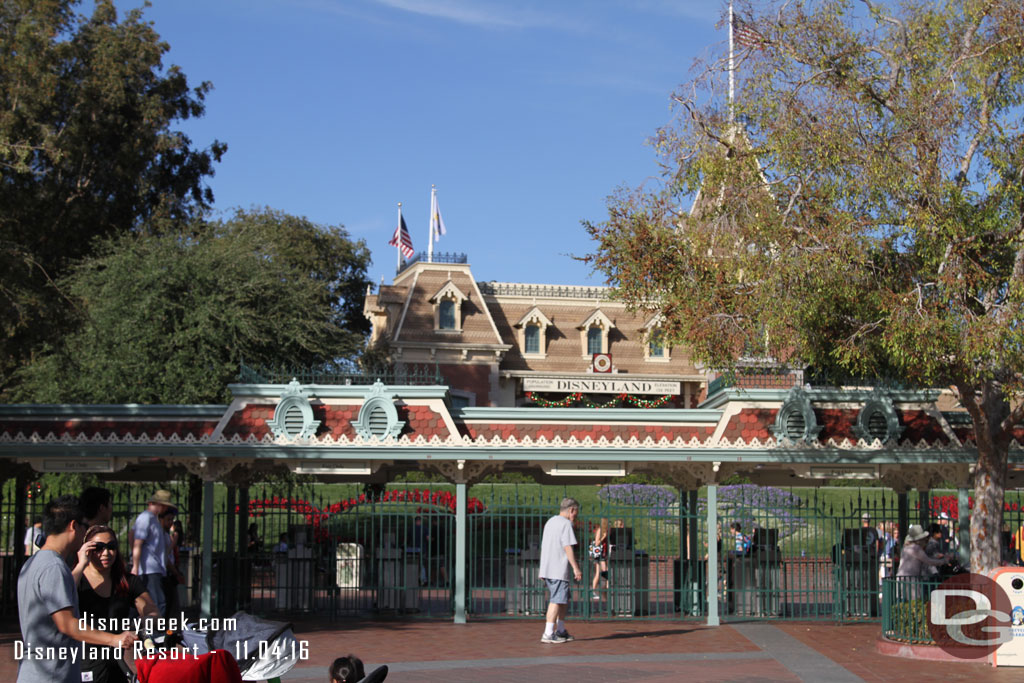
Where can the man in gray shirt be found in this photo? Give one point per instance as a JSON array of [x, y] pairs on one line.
[[50, 650], [556, 557]]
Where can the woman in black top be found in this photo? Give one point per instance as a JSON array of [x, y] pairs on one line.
[[107, 591]]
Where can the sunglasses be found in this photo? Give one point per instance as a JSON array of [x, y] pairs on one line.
[[100, 547]]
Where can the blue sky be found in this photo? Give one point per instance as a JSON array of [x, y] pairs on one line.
[[525, 114]]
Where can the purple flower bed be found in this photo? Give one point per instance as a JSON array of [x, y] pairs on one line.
[[751, 506], [646, 495]]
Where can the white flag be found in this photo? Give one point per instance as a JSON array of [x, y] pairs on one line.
[[436, 222]]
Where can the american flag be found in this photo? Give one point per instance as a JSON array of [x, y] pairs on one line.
[[402, 239], [746, 35]]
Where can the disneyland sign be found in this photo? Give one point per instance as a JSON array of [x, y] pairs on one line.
[[600, 386]]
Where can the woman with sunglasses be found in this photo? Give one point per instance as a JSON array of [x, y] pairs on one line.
[[107, 591]]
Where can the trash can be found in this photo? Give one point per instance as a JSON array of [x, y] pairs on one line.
[[629, 582], [689, 578], [294, 571], [398, 583], [768, 581], [348, 561], [524, 591], [857, 566], [766, 558], [741, 584]]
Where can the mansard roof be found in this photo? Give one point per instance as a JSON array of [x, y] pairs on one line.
[[416, 317]]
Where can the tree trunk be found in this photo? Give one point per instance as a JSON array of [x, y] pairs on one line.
[[993, 441]]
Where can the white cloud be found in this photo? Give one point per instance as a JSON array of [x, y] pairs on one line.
[[488, 15]]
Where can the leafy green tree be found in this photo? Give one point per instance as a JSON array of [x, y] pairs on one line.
[[87, 150], [166, 318], [866, 216]]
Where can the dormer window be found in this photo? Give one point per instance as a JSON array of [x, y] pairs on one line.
[[655, 349], [533, 333], [446, 314], [594, 334], [595, 340], [448, 308], [531, 337]]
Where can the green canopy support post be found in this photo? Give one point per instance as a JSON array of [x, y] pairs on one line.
[[460, 553], [243, 521], [902, 523], [207, 587], [964, 530], [230, 601], [924, 501], [21, 482], [694, 533], [713, 555]]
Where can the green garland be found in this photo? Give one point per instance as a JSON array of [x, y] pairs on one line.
[[578, 397]]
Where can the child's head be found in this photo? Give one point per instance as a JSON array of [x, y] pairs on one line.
[[348, 669]]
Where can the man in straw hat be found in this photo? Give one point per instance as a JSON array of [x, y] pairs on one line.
[[150, 546]]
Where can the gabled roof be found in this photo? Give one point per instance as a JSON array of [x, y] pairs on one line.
[[534, 314], [596, 317], [449, 289], [656, 321]]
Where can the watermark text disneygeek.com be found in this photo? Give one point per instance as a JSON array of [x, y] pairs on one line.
[[155, 625]]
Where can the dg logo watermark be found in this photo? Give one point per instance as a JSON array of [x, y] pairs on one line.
[[970, 616]]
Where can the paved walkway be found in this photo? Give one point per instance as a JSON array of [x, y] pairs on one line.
[[653, 652]]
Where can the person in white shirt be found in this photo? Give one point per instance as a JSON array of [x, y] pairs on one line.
[[34, 537], [557, 557]]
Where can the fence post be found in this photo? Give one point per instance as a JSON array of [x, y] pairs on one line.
[[207, 586], [460, 553], [964, 532], [924, 502], [713, 555]]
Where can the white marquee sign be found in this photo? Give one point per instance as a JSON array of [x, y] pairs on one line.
[[601, 386]]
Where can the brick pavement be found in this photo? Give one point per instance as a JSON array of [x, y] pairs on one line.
[[649, 651]]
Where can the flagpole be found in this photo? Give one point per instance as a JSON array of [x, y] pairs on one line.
[[398, 247], [433, 211], [732, 71]]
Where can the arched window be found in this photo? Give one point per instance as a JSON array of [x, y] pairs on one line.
[[594, 344], [446, 314], [531, 335]]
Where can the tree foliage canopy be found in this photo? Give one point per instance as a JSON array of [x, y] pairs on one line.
[[874, 194], [87, 150], [859, 207], [166, 318]]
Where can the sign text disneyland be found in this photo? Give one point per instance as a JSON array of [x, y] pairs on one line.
[[600, 386]]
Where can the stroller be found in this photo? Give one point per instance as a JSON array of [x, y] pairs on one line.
[[264, 650]]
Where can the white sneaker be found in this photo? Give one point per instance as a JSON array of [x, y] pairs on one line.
[[552, 639], [564, 635]]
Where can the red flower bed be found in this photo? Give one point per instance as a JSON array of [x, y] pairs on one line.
[[951, 505], [317, 517]]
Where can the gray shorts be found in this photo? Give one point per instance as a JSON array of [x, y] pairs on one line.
[[559, 591]]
